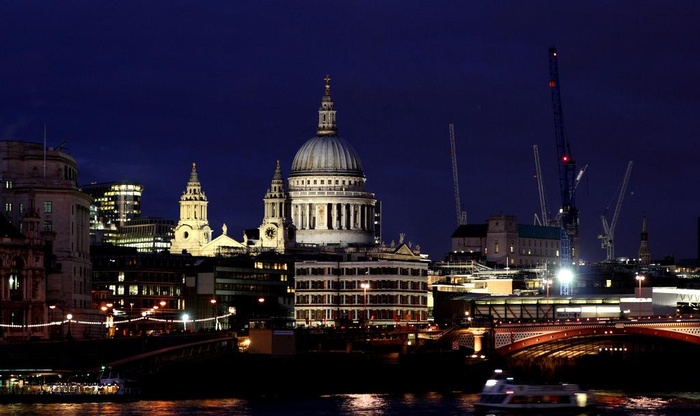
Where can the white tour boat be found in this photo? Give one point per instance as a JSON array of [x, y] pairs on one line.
[[503, 394]]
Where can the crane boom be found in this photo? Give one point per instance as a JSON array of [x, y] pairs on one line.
[[567, 172], [461, 216], [540, 187], [607, 238]]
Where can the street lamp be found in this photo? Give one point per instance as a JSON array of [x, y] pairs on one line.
[[364, 286], [640, 279], [232, 317], [185, 318], [109, 319], [53, 330], [213, 308], [105, 309], [69, 317], [162, 313]]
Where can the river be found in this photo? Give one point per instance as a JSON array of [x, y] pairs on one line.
[[615, 403]]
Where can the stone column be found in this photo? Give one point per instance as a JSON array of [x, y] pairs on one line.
[[478, 334]]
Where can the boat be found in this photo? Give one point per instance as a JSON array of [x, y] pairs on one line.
[[43, 388], [502, 394]]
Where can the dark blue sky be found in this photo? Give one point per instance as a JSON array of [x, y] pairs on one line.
[[139, 90]]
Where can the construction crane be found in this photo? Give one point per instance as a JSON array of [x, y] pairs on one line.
[[557, 219], [461, 215], [567, 174], [607, 238], [543, 220]]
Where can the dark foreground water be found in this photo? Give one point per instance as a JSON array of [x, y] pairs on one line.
[[458, 404]]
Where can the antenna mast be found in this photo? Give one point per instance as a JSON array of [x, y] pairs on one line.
[[461, 215]]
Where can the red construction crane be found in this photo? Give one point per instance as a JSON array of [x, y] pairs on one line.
[[567, 175]]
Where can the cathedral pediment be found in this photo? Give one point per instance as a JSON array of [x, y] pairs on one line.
[[221, 241], [401, 252], [405, 250]]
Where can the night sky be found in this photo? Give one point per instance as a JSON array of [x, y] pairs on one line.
[[139, 90]]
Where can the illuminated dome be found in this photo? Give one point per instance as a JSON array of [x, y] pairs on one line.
[[326, 154], [329, 204]]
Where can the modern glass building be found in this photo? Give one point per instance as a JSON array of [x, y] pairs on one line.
[[115, 203], [115, 218]]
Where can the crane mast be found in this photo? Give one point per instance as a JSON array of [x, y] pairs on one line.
[[607, 238], [540, 187], [461, 216], [567, 172]]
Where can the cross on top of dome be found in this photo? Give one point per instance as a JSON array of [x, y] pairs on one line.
[[328, 85]]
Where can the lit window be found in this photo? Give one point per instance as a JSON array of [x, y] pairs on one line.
[[8, 206], [48, 206], [14, 282]]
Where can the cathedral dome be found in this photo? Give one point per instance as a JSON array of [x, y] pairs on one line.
[[326, 153], [322, 155]]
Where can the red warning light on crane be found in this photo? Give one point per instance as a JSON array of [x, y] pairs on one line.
[[565, 159]]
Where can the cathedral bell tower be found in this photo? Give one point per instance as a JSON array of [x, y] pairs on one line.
[[276, 230], [192, 230], [644, 252]]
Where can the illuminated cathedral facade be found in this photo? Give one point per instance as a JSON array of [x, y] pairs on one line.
[[323, 207]]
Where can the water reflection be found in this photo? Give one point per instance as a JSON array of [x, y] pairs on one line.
[[442, 404], [364, 404]]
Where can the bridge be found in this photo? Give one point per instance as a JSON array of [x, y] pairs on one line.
[[573, 338], [529, 340], [152, 361], [130, 355]]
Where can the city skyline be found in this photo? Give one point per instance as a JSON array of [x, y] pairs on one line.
[[140, 91]]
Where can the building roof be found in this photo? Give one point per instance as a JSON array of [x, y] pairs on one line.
[[524, 231], [471, 230], [321, 155]]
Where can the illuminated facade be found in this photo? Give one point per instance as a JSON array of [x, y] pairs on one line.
[[325, 202], [193, 235], [502, 241], [22, 281], [43, 182], [146, 234], [390, 291], [114, 205], [328, 209]]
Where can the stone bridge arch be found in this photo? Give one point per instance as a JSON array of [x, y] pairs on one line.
[[510, 339]]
